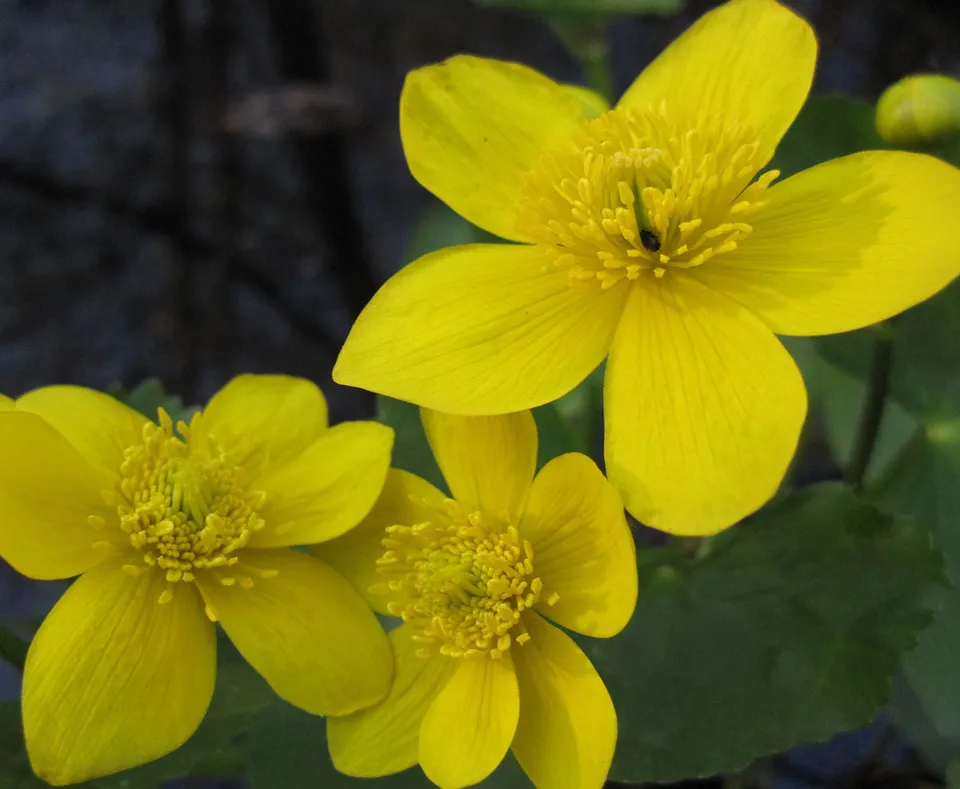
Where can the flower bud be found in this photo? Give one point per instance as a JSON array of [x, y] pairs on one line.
[[921, 109]]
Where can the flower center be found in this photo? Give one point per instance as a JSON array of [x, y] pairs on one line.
[[637, 192], [462, 585], [184, 510]]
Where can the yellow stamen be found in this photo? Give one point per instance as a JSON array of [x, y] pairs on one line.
[[461, 584], [182, 509], [648, 188]]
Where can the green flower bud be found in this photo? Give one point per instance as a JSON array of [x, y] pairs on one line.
[[924, 108]]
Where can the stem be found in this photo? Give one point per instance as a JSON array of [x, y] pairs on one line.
[[13, 649], [595, 58], [586, 39], [870, 417]]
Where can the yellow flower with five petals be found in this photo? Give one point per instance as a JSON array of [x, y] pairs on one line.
[[652, 236], [170, 533], [476, 578]]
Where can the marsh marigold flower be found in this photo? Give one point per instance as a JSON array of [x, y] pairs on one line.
[[170, 533], [477, 577], [650, 234]]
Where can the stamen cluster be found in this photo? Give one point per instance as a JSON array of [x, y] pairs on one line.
[[461, 584], [643, 190], [184, 510]]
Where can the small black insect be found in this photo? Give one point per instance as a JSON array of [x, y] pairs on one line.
[[649, 240]]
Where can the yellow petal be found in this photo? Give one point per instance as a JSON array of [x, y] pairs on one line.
[[568, 726], [406, 500], [470, 724], [750, 60], [264, 417], [582, 547], [480, 329], [113, 678], [385, 739], [847, 243], [100, 427], [473, 127], [703, 408], [487, 461], [304, 629], [47, 493], [592, 104], [328, 488], [5, 403]]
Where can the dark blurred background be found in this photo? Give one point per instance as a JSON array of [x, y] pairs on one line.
[[194, 188]]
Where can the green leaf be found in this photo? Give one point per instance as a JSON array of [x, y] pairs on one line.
[[441, 227], [13, 649], [835, 370], [919, 478], [912, 721], [16, 772], [411, 451], [931, 669], [788, 630], [151, 395], [827, 127], [588, 7]]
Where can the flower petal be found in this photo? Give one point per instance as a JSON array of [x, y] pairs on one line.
[[385, 739], [568, 725], [582, 547], [847, 243], [305, 630], [480, 329], [261, 418], [99, 426], [406, 500], [487, 461], [113, 678], [473, 127], [592, 104], [470, 724], [47, 493], [5, 403], [749, 60], [703, 408], [328, 488]]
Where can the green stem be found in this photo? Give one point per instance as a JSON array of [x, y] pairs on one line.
[[596, 65], [13, 649], [586, 39], [878, 384]]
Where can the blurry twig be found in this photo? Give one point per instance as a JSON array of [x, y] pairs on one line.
[[305, 109]]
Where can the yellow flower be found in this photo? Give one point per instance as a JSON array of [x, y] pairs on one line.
[[479, 669], [647, 236], [170, 535]]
